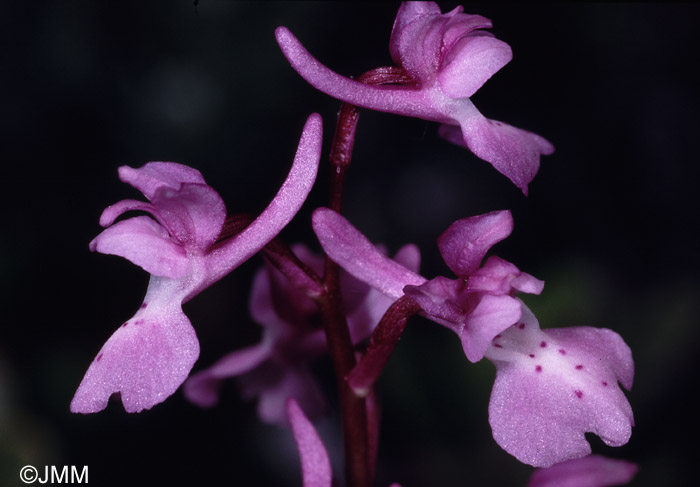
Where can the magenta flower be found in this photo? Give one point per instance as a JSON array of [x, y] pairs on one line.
[[151, 354], [477, 306], [554, 385], [449, 56], [590, 471], [278, 367]]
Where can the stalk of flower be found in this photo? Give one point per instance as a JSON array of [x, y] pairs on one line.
[[354, 409], [552, 386], [151, 354], [449, 57]]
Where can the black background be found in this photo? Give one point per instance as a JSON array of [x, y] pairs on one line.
[[610, 223]]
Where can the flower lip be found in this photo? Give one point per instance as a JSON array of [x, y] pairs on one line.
[[554, 385]]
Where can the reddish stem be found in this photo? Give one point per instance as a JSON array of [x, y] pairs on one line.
[[353, 408]]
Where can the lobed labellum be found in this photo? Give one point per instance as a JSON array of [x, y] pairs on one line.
[[553, 386]]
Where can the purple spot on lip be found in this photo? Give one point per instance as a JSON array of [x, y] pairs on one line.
[[521, 326], [497, 336], [605, 384], [498, 345], [125, 324], [138, 322], [578, 393], [99, 357], [543, 344], [532, 355], [579, 367], [538, 368], [143, 305], [562, 351]]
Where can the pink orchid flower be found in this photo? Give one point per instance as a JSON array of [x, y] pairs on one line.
[[590, 471], [278, 367], [449, 56], [477, 306], [151, 354], [552, 386]]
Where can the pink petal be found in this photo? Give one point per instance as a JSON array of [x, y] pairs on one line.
[[525, 283], [465, 243], [498, 276], [403, 101], [191, 211], [145, 361], [114, 211], [145, 243], [514, 152], [408, 13], [491, 316], [315, 465], [417, 45], [470, 63], [409, 257], [279, 212], [156, 175], [202, 388], [351, 250], [193, 214], [590, 471], [553, 386], [462, 25]]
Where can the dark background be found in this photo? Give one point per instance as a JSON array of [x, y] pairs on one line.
[[610, 223]]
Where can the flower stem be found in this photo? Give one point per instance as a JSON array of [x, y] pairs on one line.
[[353, 408]]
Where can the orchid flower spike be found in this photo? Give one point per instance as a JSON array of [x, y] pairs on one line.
[[150, 355], [449, 56], [477, 306], [590, 471], [278, 367]]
